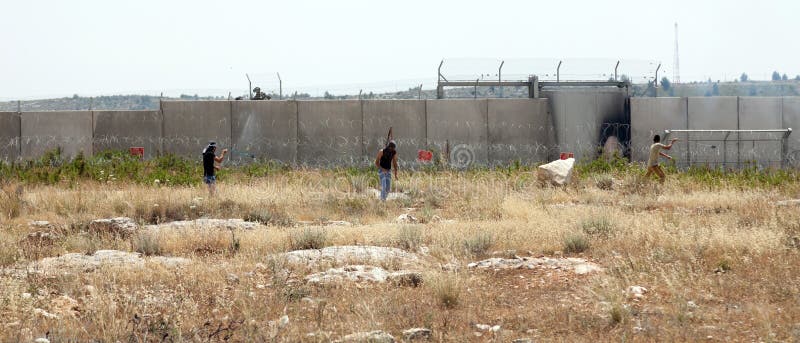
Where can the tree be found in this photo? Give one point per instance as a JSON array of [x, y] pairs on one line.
[[785, 77], [744, 77], [797, 78], [666, 84], [328, 95], [776, 76], [715, 89]]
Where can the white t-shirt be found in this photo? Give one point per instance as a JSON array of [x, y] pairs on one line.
[[654, 150]]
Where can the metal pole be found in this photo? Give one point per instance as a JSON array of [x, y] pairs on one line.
[[615, 71], [91, 102], [439, 88], [419, 96], [655, 82], [558, 72], [500, 76], [280, 87], [249, 87], [476, 87], [785, 147], [19, 106], [359, 94]]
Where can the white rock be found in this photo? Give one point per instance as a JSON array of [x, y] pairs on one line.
[[41, 340], [368, 337], [417, 334], [44, 314], [576, 265], [347, 254], [363, 273], [41, 224], [26, 295], [483, 327], [205, 223], [637, 292], [557, 172], [522, 340], [792, 202], [122, 226], [406, 218], [283, 321], [77, 262]]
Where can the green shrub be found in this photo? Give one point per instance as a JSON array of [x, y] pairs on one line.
[[308, 238], [446, 289], [409, 237], [147, 244], [575, 243], [479, 243], [597, 226]]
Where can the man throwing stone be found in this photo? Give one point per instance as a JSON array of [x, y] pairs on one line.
[[655, 152]]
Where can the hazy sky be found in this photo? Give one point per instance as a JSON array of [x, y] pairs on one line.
[[93, 47]]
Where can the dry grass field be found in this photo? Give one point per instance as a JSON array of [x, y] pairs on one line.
[[719, 262]]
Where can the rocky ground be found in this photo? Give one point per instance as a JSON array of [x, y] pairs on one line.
[[491, 260]]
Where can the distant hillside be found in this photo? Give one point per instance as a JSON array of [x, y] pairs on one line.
[[147, 102]]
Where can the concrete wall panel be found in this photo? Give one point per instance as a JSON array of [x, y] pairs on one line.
[[584, 117], [190, 125], [44, 131], [460, 126], [713, 113], [330, 133], [266, 130], [762, 113], [120, 130], [9, 136], [791, 119], [407, 119], [519, 129], [651, 116]]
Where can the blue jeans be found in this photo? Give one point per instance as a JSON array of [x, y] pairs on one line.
[[386, 183]]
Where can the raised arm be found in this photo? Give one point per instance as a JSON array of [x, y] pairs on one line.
[[669, 146], [221, 156]]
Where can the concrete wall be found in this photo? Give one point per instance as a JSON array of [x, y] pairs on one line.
[[190, 125], [330, 133], [460, 129], [45, 131], [791, 119], [519, 129], [651, 116], [9, 136], [713, 113], [584, 117], [266, 130], [120, 130], [407, 119], [477, 132], [760, 113]]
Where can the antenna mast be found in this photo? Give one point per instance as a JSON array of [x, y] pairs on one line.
[[676, 76]]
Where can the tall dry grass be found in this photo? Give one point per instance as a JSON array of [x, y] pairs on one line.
[[719, 261]]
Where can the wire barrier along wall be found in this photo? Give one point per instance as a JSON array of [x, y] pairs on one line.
[[733, 148]]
